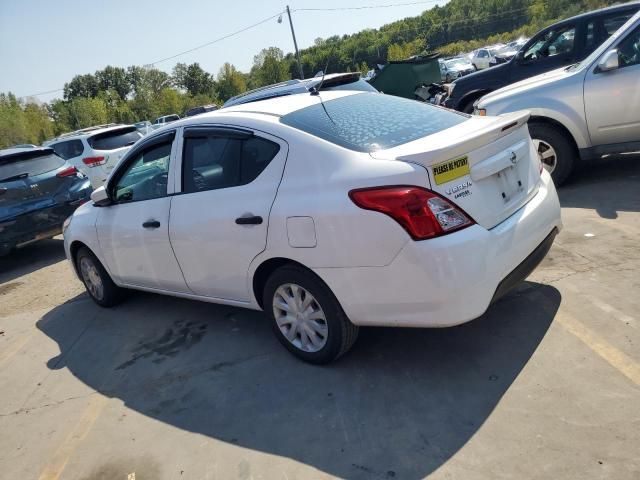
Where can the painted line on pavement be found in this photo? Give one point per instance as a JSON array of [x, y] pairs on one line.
[[58, 462], [617, 359]]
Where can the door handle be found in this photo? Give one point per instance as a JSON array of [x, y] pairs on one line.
[[151, 224], [250, 220]]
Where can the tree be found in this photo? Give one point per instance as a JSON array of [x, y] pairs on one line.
[[113, 78], [230, 82], [269, 67], [193, 79], [81, 86]]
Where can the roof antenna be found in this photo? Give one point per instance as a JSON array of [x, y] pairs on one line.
[[316, 89]]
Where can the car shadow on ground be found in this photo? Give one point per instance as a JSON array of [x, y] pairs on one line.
[[28, 259], [608, 186], [400, 404]]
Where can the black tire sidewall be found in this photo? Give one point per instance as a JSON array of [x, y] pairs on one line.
[[112, 293], [335, 316], [565, 152]]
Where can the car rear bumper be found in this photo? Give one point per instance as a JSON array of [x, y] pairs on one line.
[[453, 279], [38, 224]]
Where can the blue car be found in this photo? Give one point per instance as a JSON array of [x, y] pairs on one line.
[[38, 191]]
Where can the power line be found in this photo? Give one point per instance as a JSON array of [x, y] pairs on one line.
[[415, 29], [363, 7], [219, 39]]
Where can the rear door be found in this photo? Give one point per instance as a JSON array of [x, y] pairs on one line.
[[612, 99], [219, 221], [134, 230]]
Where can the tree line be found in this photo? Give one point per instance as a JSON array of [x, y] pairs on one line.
[[126, 95]]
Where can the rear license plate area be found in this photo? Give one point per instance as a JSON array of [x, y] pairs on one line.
[[510, 183]]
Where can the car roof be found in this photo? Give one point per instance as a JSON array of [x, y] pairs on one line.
[[279, 106], [612, 9], [289, 87]]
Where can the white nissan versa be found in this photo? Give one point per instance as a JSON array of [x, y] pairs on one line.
[[328, 211]]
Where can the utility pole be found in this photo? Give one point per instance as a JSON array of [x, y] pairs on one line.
[[295, 44]]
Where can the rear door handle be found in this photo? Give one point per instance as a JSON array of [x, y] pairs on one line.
[[151, 224], [251, 220]]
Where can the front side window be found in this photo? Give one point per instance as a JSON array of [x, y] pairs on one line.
[[214, 162], [553, 42], [629, 50], [613, 22], [146, 175]]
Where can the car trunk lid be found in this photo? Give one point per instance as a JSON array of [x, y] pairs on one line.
[[487, 165]]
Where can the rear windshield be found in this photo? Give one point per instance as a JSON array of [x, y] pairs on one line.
[[114, 139], [366, 122], [28, 164]]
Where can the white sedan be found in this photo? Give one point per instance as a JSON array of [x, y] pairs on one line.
[[327, 211]]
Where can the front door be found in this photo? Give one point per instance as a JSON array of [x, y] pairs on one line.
[[134, 230], [219, 222], [551, 49], [612, 98]]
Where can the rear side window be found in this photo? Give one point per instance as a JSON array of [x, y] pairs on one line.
[[114, 139], [69, 149], [366, 122], [29, 164], [214, 162]]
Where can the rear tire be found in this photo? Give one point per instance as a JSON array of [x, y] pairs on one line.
[[96, 280], [306, 316], [563, 152]]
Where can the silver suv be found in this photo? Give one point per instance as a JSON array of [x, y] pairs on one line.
[[583, 111]]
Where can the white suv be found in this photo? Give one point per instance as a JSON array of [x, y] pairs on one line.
[[96, 150], [328, 210]]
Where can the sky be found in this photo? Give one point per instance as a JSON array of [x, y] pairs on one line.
[[44, 43]]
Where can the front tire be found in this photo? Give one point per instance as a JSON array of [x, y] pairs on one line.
[[306, 317], [555, 151], [96, 280]]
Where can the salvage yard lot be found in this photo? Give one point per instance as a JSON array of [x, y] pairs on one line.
[[545, 385]]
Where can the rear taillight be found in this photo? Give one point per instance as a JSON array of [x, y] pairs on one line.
[[93, 161], [67, 172], [421, 212]]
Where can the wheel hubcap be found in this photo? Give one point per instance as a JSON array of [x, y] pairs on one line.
[[91, 278], [547, 155], [300, 318]]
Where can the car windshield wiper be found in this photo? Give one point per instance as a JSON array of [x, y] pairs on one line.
[[14, 177]]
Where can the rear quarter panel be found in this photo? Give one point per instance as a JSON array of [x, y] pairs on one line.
[[316, 181]]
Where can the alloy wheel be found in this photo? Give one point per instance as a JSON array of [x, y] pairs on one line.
[[547, 155], [300, 318]]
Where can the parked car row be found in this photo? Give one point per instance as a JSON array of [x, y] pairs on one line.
[[559, 45], [584, 111]]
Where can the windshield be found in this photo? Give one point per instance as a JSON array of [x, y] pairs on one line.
[[29, 164], [366, 122], [114, 139], [455, 62]]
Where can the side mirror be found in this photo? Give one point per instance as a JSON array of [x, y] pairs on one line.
[[609, 61], [100, 197], [519, 56]]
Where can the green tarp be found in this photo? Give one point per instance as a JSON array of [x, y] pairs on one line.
[[402, 77]]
